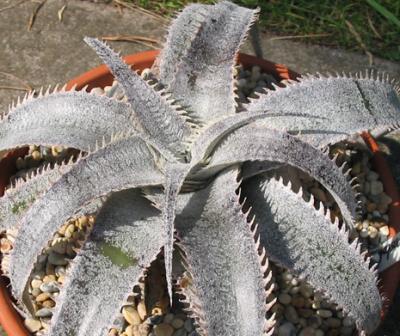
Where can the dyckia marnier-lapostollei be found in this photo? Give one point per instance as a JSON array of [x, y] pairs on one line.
[[195, 150]]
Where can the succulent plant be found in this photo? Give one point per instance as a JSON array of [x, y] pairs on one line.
[[171, 167]]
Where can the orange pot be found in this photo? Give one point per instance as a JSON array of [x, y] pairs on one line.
[[101, 77]]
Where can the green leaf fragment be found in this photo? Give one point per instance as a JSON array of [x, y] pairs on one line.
[[117, 256]]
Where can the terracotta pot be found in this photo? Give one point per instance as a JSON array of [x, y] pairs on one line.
[[100, 77]]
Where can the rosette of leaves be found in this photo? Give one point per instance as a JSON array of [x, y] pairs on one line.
[[188, 147]]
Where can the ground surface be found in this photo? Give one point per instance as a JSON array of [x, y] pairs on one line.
[[53, 51]]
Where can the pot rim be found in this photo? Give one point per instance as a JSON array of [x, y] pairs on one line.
[[99, 77]]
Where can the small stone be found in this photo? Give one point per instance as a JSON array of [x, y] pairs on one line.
[[287, 276], [60, 270], [188, 325], [364, 233], [163, 329], [5, 245], [284, 298], [371, 206], [59, 246], [376, 187], [141, 308], [308, 331], [48, 304], [36, 283], [348, 322], [177, 323], [298, 301], [384, 231], [49, 287], [57, 259], [82, 221], [69, 231], [324, 313], [372, 232], [305, 312], [131, 315], [287, 329], [35, 292], [42, 297], [372, 176], [144, 329], [241, 83], [113, 332], [44, 312], [291, 314], [319, 332], [97, 91], [156, 311], [154, 319], [306, 290], [49, 278], [20, 163], [129, 331], [33, 325], [179, 332], [346, 331], [333, 322], [314, 321], [36, 155], [168, 318]]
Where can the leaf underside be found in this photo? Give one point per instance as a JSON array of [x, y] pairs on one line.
[[127, 236], [228, 277], [124, 163], [74, 119], [294, 233], [345, 105]]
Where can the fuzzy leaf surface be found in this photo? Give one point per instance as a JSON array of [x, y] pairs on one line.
[[74, 119], [156, 115], [226, 270], [17, 200], [124, 163], [208, 65], [346, 106], [304, 240], [126, 237], [251, 143], [181, 35]]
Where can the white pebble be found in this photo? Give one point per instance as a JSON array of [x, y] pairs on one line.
[[49, 287], [44, 312], [33, 325]]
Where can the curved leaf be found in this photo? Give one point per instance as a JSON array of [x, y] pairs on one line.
[[227, 272], [124, 163], [126, 237], [305, 241], [74, 119], [17, 201], [206, 68], [156, 115], [181, 35], [251, 143], [346, 106]]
